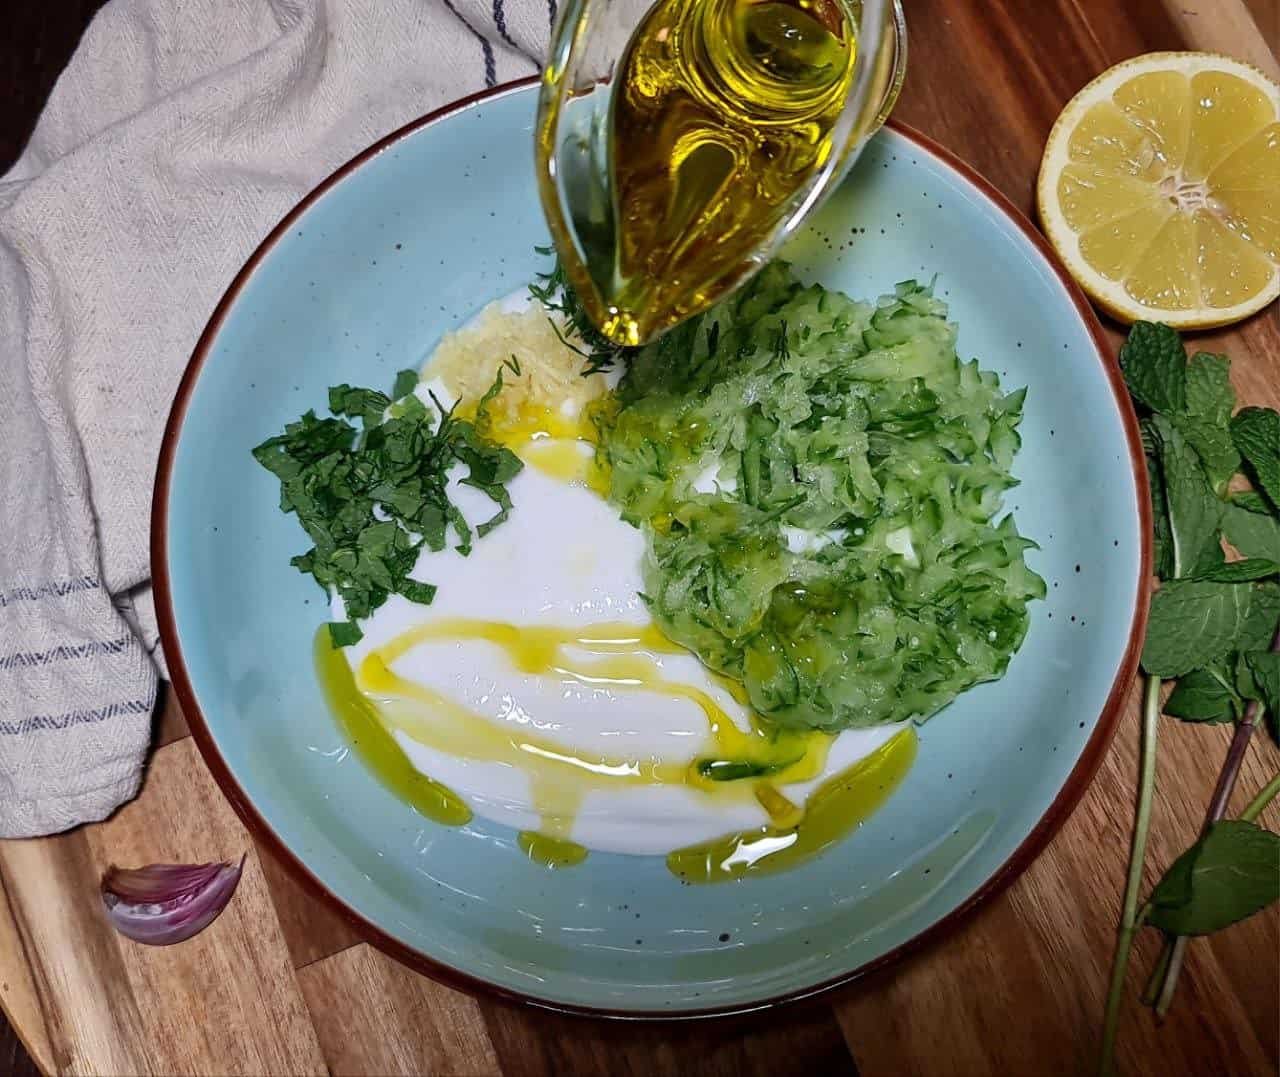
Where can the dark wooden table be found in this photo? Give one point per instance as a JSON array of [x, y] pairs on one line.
[[279, 985]]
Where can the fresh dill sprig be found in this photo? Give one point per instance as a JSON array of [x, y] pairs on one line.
[[574, 326], [781, 347]]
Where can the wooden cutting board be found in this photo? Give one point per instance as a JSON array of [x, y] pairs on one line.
[[280, 985]]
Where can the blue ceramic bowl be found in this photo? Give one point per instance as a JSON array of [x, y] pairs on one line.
[[403, 244]]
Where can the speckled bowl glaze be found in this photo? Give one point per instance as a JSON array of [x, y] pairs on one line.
[[412, 238]]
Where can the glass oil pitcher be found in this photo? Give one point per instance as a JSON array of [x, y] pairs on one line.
[[679, 142]]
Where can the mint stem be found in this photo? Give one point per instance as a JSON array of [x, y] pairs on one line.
[[1259, 803], [1130, 921], [1152, 991], [1231, 767], [1177, 946]]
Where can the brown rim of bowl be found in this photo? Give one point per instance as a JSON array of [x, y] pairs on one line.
[[1077, 781]]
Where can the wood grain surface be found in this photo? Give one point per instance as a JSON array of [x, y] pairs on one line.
[[280, 985]]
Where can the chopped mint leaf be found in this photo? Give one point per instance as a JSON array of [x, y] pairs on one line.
[[732, 770], [406, 382], [422, 593], [302, 445], [345, 633], [366, 404], [371, 504]]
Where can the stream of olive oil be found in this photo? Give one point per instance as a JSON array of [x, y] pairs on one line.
[[724, 112]]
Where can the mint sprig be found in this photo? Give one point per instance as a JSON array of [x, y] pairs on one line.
[[1215, 626]]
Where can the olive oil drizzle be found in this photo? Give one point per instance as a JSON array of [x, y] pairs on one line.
[[550, 852], [838, 806], [375, 700], [561, 447], [363, 727], [623, 659]]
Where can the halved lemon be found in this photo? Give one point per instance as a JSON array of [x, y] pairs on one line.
[[1160, 189]]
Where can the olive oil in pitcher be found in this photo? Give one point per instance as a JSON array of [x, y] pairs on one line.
[[724, 119], [724, 112]]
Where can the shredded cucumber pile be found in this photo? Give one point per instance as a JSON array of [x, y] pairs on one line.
[[818, 480]]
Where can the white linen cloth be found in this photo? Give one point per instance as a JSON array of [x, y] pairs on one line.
[[179, 134]]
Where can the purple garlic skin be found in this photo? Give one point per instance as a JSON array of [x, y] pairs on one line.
[[161, 904]]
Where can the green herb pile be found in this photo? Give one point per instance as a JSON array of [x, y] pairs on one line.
[[370, 500], [1213, 626], [855, 428]]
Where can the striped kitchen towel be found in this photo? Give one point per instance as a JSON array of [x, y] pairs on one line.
[[181, 131]]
